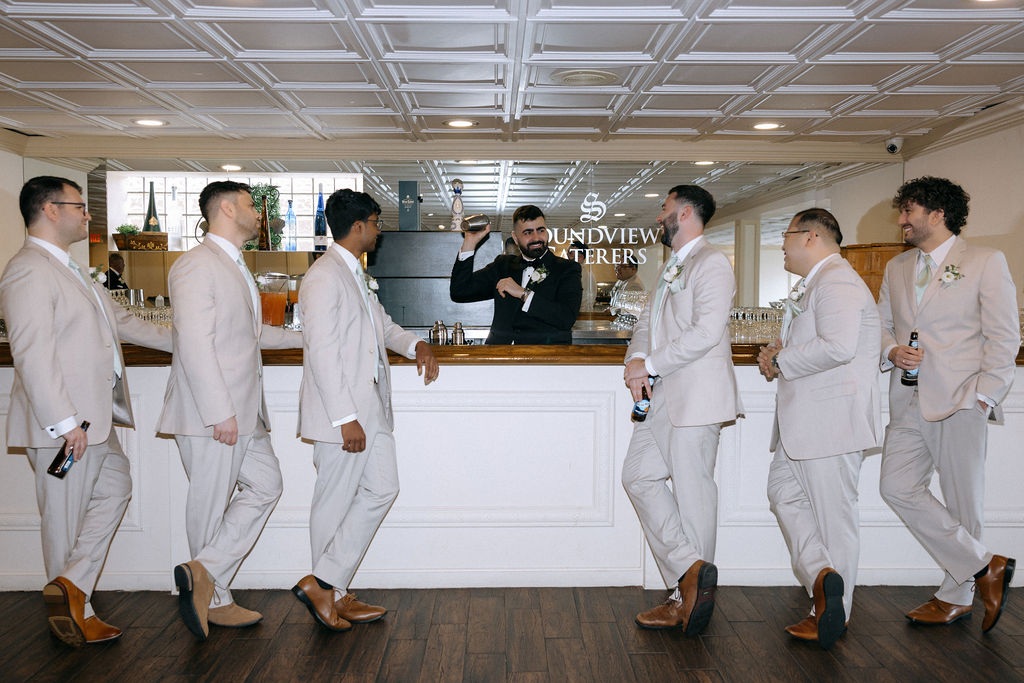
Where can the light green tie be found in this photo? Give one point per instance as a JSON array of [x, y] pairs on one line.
[[659, 293], [361, 278], [87, 281], [253, 291], [924, 277]]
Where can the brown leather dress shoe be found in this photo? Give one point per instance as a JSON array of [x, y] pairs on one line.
[[935, 612], [994, 587], [805, 630], [233, 616], [195, 590], [350, 609], [828, 607], [693, 610], [320, 603], [65, 604]]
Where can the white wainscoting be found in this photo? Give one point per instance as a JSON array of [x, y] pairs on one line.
[[510, 477]]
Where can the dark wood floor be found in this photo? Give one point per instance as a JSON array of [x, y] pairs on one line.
[[516, 634]]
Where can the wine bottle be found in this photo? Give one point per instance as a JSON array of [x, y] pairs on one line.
[[65, 457], [320, 224], [909, 377], [152, 222], [264, 237], [291, 229]]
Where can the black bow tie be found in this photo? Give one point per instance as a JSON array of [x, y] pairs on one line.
[[524, 264]]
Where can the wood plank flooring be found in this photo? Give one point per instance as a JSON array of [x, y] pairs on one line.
[[525, 635]]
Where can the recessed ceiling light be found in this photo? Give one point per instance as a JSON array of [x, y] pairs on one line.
[[602, 227], [703, 163], [152, 123], [230, 167], [767, 125], [460, 123], [619, 215], [584, 77], [441, 227], [430, 214], [467, 162], [652, 194]]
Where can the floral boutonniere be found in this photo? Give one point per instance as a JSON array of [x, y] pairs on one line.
[[537, 276], [98, 275], [671, 276], [371, 284], [794, 297], [950, 275]]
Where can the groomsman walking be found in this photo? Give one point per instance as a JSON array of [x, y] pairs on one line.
[[215, 408], [962, 303], [826, 413], [345, 409], [65, 335], [682, 341]]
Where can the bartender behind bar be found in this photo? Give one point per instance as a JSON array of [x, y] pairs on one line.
[[536, 294]]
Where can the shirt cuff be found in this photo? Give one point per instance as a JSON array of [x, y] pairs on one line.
[[987, 400], [62, 427], [527, 300], [886, 364], [463, 255], [411, 353], [650, 367], [345, 420]]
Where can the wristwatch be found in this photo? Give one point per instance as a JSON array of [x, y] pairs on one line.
[[775, 362]]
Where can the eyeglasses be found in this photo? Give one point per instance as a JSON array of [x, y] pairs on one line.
[[376, 221], [80, 205], [784, 233]]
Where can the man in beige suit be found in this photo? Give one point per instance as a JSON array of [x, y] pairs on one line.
[[214, 407], [826, 413], [962, 302], [345, 409], [682, 341], [65, 336]]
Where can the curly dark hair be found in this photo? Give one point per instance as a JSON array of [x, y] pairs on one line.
[[936, 194]]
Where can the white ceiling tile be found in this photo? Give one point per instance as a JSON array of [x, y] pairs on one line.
[[847, 74], [899, 37], [960, 74], [130, 35], [338, 99], [216, 99], [456, 37], [181, 72], [47, 71], [740, 37], [339, 75], [714, 75]]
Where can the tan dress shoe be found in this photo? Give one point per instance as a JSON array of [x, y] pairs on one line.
[[195, 590], [935, 612], [830, 615], [350, 609], [65, 605], [696, 602], [320, 603], [805, 630], [994, 588], [233, 616]]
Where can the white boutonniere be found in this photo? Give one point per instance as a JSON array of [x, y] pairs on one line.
[[98, 275], [371, 284], [794, 297], [537, 276], [671, 276], [950, 275]]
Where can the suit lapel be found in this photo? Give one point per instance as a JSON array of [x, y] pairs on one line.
[[954, 257], [237, 277], [910, 281]]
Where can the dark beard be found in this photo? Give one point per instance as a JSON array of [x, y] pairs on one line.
[[534, 251], [668, 234]]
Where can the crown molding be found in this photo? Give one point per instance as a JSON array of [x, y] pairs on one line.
[[13, 142]]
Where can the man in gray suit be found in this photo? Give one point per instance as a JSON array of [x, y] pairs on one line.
[[65, 335], [826, 414], [345, 409], [682, 340], [962, 303], [214, 407]]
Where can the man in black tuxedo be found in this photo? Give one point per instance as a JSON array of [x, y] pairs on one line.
[[115, 272], [536, 294]]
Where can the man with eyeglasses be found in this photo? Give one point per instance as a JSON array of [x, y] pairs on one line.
[[345, 409], [825, 362], [65, 336], [215, 408], [962, 302]]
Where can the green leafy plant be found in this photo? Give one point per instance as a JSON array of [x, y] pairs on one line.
[[259, 190], [127, 229]]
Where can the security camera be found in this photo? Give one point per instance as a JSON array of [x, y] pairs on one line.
[[894, 145]]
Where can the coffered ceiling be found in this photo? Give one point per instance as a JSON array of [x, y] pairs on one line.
[[324, 84]]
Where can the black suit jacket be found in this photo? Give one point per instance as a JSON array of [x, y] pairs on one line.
[[114, 280], [553, 310]]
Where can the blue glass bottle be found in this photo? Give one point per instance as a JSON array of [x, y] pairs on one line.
[[291, 228], [320, 224]]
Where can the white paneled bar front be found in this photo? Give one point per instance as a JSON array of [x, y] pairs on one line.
[[510, 477]]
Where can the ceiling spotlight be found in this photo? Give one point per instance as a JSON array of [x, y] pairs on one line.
[[652, 194], [460, 123], [703, 163], [441, 227], [767, 125], [466, 162], [230, 167], [151, 123], [430, 214], [619, 215]]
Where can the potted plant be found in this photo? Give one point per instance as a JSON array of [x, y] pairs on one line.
[[121, 236], [129, 238]]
